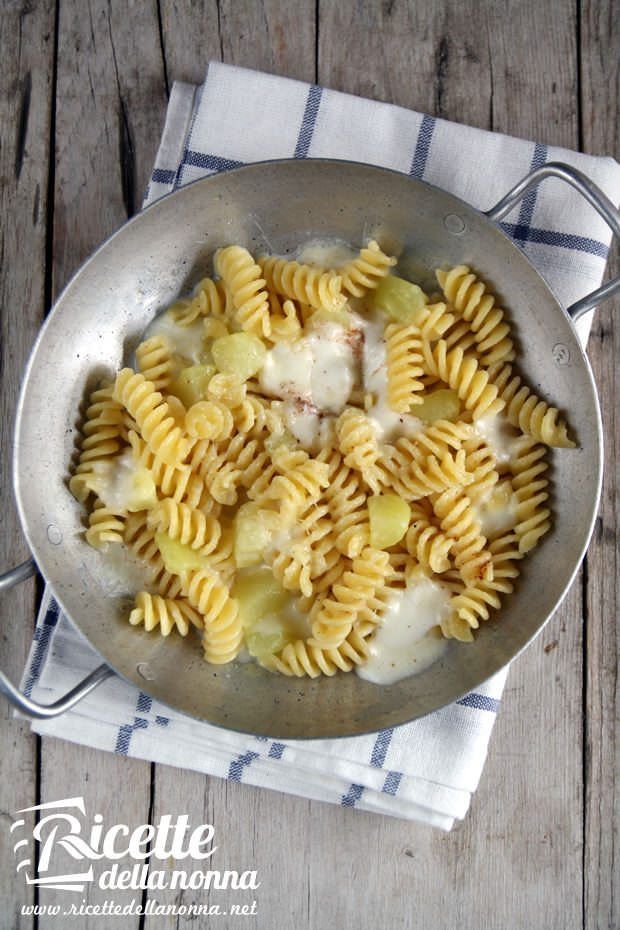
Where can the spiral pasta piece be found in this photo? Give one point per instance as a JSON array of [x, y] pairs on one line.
[[347, 504], [243, 277], [412, 479], [257, 417], [457, 520], [480, 464], [227, 389], [193, 528], [152, 415], [299, 481], [474, 603], [104, 526], [426, 542], [152, 611], [140, 538], [319, 289], [154, 361], [209, 419], [223, 466], [301, 658], [223, 633], [222, 559], [469, 296], [434, 320], [335, 617], [208, 300], [529, 482], [103, 436], [364, 272], [463, 374], [528, 412], [285, 324], [440, 437], [357, 440], [404, 366], [179, 482]]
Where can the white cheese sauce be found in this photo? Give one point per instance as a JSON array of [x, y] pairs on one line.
[[407, 642], [497, 510], [313, 375], [325, 253], [186, 341], [117, 481], [500, 436], [389, 425]]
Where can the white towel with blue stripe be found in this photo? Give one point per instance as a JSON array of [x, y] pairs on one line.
[[429, 769]]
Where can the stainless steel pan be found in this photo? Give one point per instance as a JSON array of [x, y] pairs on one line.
[[100, 316]]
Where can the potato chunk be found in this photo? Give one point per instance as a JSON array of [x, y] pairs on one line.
[[191, 383], [389, 518], [177, 556], [240, 354], [401, 300], [443, 404]]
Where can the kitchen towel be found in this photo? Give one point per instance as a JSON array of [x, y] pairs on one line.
[[426, 770]]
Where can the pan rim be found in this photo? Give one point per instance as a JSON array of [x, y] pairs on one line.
[[38, 553]]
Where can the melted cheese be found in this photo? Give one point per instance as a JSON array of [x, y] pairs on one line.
[[186, 341], [324, 253], [313, 375], [407, 642], [499, 435], [124, 486], [497, 511]]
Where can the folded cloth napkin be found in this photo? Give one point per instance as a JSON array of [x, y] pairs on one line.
[[426, 770]]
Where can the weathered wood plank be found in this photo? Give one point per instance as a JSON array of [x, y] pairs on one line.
[[600, 38], [269, 35], [190, 38], [27, 41], [110, 105]]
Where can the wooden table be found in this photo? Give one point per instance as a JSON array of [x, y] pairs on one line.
[[83, 95]]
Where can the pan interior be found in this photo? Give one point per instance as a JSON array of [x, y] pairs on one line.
[[163, 252]]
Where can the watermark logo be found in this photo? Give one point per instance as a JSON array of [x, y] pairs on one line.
[[64, 829]]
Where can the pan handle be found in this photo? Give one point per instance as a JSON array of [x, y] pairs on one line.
[[593, 194], [21, 701]]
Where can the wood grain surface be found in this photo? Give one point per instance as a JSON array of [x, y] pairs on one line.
[[83, 93]]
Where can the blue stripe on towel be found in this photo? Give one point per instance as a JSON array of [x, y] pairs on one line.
[[235, 771], [308, 122], [43, 637], [382, 744], [126, 731], [526, 211], [209, 162], [480, 702], [144, 703], [163, 176], [276, 750], [522, 233], [352, 796], [422, 148], [392, 783]]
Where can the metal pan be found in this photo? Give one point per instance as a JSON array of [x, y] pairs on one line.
[[99, 318]]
